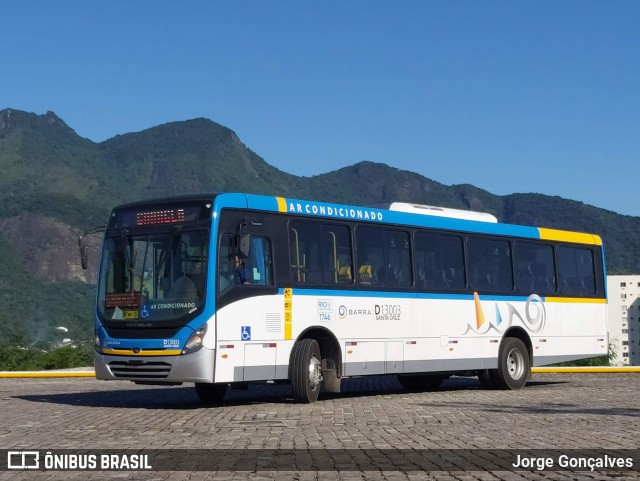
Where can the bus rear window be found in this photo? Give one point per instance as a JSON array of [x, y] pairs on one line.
[[576, 271]]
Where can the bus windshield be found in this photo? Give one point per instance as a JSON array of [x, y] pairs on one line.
[[146, 278]]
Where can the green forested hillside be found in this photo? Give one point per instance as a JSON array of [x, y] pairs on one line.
[[54, 184]]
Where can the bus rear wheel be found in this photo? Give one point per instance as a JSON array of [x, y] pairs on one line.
[[513, 365], [422, 382], [211, 393], [306, 370]]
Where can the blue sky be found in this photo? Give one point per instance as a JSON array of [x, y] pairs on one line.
[[516, 96]]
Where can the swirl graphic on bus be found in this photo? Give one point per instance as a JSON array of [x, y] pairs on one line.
[[535, 316]]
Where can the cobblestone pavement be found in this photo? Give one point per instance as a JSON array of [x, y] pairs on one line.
[[555, 411]]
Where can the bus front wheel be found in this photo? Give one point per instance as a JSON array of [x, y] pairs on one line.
[[306, 370], [211, 393], [513, 365]]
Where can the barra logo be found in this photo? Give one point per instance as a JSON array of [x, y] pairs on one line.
[[343, 312], [535, 316], [23, 460]]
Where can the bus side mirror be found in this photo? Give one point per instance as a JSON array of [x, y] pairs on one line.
[[245, 246], [84, 248], [83, 256]]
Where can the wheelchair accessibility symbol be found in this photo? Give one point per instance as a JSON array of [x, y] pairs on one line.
[[245, 334]]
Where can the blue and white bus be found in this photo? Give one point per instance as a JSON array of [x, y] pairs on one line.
[[234, 288]]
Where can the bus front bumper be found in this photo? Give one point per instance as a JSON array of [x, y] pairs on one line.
[[194, 367]]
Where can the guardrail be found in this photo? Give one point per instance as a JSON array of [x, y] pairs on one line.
[[541, 370]]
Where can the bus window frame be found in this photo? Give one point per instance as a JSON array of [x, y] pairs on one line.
[[595, 271], [321, 223], [384, 228], [462, 237], [470, 284], [551, 245]]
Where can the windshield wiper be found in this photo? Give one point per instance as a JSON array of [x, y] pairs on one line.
[[128, 251]]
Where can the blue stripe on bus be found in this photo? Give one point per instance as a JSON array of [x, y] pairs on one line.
[[301, 291], [261, 202], [364, 214]]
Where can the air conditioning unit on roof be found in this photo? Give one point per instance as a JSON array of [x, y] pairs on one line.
[[442, 212]]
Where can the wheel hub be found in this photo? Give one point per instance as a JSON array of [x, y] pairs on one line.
[[515, 364], [315, 372]]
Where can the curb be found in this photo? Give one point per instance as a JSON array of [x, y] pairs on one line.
[[587, 369], [45, 374]]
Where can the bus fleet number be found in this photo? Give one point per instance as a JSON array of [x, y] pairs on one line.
[[387, 312]]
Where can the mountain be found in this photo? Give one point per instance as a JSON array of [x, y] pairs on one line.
[[55, 184]]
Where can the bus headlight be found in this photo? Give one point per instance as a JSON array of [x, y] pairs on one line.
[[194, 343], [96, 345]]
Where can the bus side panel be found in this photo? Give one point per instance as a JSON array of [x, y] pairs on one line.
[[583, 331], [397, 335], [250, 335]]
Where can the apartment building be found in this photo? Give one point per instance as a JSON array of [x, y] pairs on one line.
[[623, 294]]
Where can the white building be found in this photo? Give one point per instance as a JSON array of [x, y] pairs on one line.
[[623, 293]]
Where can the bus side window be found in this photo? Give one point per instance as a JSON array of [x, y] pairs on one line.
[[576, 271], [369, 242], [336, 254], [442, 264], [259, 265], [320, 253], [490, 264], [226, 264], [535, 272], [397, 260], [384, 257]]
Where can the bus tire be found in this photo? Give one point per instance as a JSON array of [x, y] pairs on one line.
[[514, 367], [211, 393], [486, 378], [422, 382], [306, 370]]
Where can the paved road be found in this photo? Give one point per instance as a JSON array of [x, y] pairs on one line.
[[555, 411]]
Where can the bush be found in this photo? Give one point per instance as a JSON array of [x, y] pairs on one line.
[[21, 359]]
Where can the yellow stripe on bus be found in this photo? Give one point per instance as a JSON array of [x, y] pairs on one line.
[[585, 369], [567, 236], [58, 374], [282, 204], [150, 352], [288, 313], [575, 300]]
